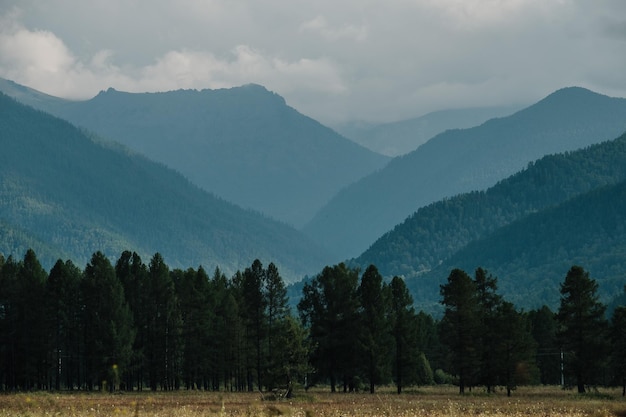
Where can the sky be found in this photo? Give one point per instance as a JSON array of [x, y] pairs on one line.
[[333, 60]]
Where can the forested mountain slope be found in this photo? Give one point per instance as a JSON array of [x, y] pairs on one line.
[[74, 195], [435, 232], [531, 257], [404, 136], [460, 161], [243, 144]]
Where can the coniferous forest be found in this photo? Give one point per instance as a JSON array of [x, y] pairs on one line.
[[128, 325]]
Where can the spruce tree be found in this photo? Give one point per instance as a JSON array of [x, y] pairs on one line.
[[582, 328]]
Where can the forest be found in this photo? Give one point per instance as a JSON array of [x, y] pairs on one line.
[[132, 326]]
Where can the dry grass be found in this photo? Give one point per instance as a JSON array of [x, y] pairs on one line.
[[436, 402]]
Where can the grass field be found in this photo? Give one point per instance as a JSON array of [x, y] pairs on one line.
[[435, 401]]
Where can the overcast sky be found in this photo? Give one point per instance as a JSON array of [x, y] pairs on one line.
[[333, 60]]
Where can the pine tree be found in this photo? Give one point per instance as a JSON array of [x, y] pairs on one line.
[[375, 340], [108, 328], [403, 327], [63, 322], [329, 308], [583, 328], [618, 352], [461, 326]]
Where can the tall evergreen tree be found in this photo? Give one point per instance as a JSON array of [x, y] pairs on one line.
[[618, 351], [461, 326], [133, 274], [375, 340], [31, 352], [544, 330], [489, 303], [193, 291], [108, 328], [254, 318], [515, 348], [329, 307], [403, 327], [277, 313], [64, 323], [582, 327], [163, 327]]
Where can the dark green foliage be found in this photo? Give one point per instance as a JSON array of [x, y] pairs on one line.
[[461, 327], [330, 308], [618, 351], [403, 326], [69, 195], [514, 348], [163, 327], [375, 339], [108, 329], [582, 328], [544, 330], [64, 323]]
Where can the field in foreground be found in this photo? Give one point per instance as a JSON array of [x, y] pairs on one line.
[[436, 401]]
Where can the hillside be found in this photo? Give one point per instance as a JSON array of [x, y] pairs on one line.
[[459, 161], [435, 232], [243, 144], [531, 257], [401, 137], [67, 195]]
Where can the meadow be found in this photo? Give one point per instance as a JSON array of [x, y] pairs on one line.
[[430, 401]]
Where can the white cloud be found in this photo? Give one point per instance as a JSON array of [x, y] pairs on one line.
[[332, 60]]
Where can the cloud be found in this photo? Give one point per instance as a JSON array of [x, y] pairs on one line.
[[321, 26], [331, 60], [41, 60]]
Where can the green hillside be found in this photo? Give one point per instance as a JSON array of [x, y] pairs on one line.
[[435, 232], [531, 257], [68, 195]]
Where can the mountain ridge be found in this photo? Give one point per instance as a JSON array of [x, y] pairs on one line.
[[79, 195], [463, 160], [244, 144]]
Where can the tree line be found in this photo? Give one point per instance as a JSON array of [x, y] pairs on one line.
[[132, 326]]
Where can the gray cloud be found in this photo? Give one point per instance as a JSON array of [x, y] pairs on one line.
[[331, 60]]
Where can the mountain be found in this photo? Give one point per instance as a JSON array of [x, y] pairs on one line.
[[67, 195], [531, 257], [527, 228], [435, 232], [401, 137], [459, 161], [244, 144]]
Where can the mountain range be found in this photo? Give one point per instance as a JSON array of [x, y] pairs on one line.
[[528, 229], [464, 160], [403, 136], [67, 194], [244, 144]]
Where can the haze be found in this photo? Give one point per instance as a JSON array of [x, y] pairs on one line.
[[333, 61]]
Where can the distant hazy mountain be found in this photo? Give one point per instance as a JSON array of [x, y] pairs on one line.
[[67, 196], [404, 136], [458, 161], [243, 144]]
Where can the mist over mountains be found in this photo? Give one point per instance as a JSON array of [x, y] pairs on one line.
[[504, 195], [401, 137], [243, 144], [67, 195], [463, 160]]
